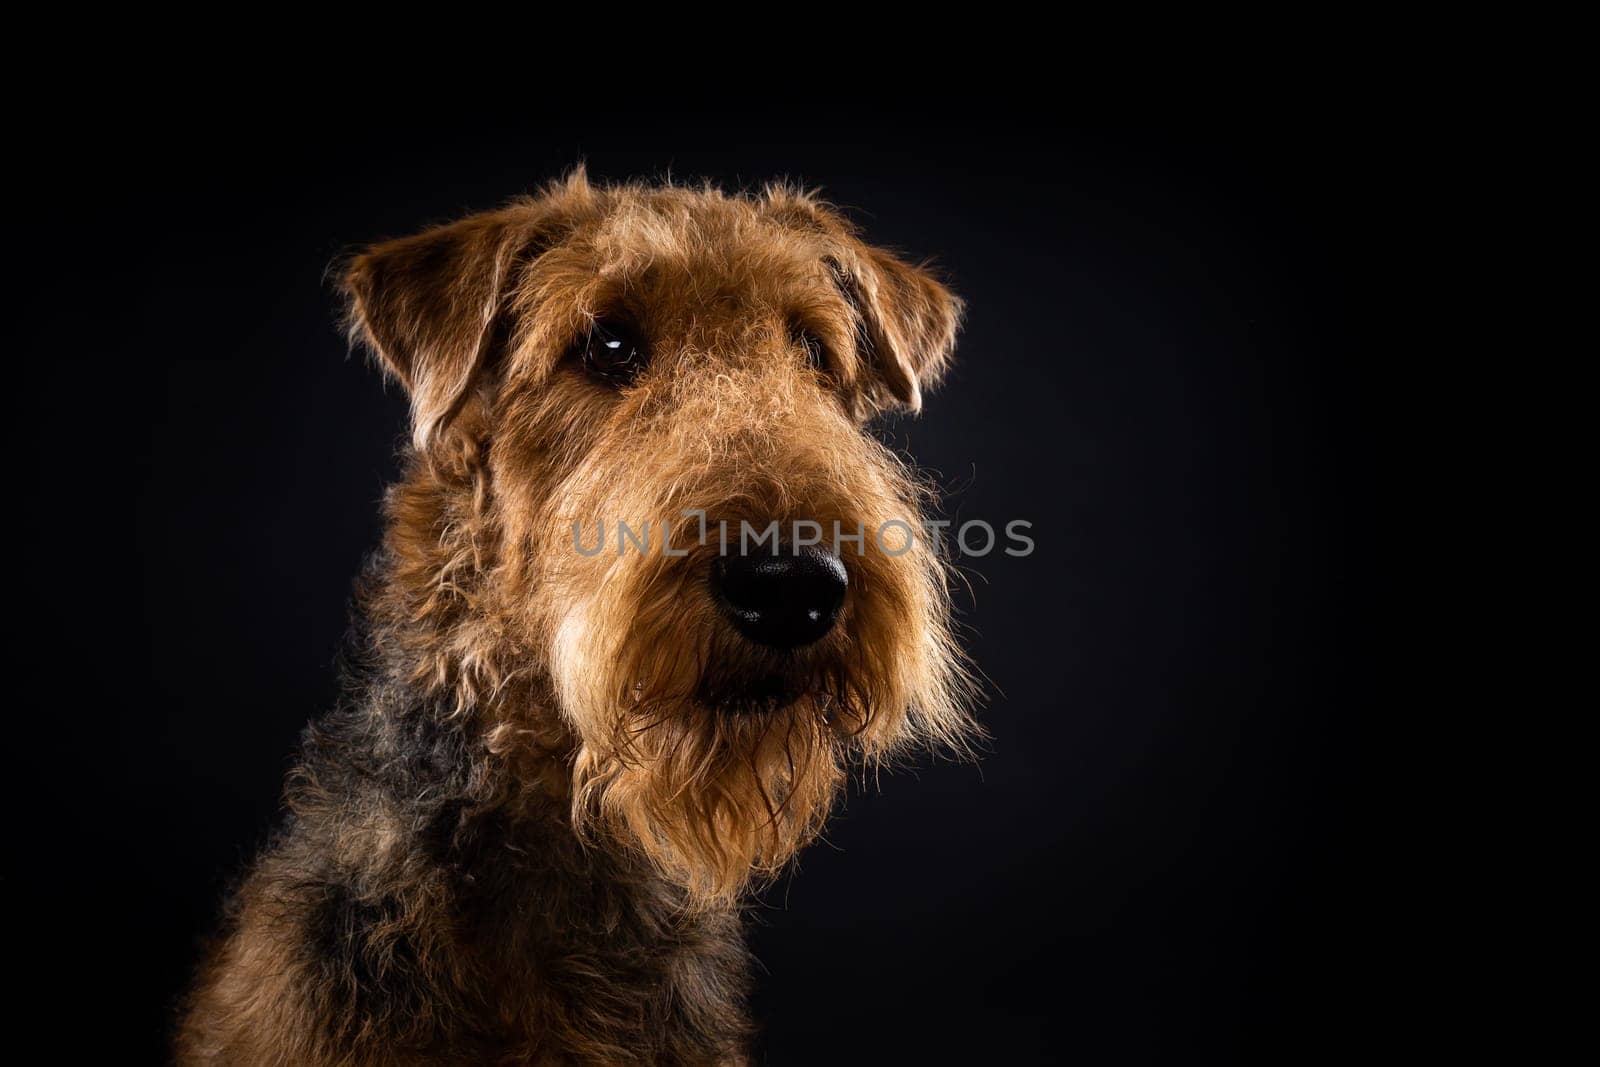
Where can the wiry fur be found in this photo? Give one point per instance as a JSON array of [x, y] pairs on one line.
[[523, 835]]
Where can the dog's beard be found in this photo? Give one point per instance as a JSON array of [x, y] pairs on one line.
[[714, 797], [719, 761]]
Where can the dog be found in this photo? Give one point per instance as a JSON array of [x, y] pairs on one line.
[[649, 591]]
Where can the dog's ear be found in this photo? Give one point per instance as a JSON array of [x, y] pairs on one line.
[[908, 320], [427, 307]]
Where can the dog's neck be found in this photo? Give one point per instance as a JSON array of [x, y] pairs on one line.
[[499, 716], [448, 829]]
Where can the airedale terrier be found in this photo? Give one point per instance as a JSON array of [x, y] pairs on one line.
[[649, 590]]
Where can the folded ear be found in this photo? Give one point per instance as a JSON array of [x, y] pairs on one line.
[[427, 306], [908, 321]]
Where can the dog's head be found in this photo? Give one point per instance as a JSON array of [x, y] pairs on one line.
[[641, 473]]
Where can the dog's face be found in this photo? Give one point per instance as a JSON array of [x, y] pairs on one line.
[[693, 367]]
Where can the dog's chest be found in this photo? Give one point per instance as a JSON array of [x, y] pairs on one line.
[[591, 951]]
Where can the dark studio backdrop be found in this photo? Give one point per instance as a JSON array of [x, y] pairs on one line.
[[1155, 862]]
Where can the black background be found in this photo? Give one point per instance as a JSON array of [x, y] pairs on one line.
[[1157, 859]]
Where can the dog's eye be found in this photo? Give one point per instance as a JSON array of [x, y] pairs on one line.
[[816, 353], [612, 353]]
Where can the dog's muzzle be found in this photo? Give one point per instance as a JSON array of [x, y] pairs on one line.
[[788, 600]]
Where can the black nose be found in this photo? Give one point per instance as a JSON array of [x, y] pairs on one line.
[[782, 601]]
